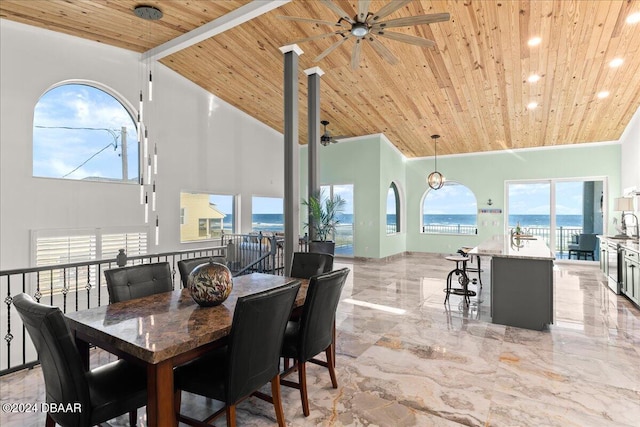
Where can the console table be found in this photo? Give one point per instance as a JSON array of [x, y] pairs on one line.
[[521, 280]]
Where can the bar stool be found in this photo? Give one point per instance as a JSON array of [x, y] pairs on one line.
[[464, 251], [463, 279]]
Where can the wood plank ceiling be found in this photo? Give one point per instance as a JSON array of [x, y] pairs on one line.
[[472, 89]]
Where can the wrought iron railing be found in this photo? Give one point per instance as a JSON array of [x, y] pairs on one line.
[[449, 229], [81, 285]]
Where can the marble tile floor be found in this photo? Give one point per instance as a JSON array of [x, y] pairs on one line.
[[406, 359]]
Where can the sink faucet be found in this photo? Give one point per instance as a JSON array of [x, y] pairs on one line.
[[624, 224]]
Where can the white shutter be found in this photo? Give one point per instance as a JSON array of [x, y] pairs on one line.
[[64, 250], [56, 247], [132, 243]]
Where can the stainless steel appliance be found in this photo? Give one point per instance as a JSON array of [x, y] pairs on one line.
[[613, 266]]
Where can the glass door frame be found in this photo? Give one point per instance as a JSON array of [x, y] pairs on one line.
[[329, 188], [552, 205]]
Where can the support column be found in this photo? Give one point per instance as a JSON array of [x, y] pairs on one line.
[[291, 154], [313, 183]]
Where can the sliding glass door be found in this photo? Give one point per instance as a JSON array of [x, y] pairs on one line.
[[529, 208], [344, 231], [567, 214]]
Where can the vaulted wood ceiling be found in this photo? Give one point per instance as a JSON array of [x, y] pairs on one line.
[[472, 88]]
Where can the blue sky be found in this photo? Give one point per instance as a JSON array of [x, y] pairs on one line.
[[533, 198], [76, 153]]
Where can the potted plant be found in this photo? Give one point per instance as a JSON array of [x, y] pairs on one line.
[[323, 219]]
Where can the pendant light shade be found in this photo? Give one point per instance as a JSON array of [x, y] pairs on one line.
[[435, 178]]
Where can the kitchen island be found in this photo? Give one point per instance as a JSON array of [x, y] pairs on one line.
[[521, 280]]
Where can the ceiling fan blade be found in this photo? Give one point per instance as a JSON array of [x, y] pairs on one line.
[[332, 48], [388, 9], [338, 10], [406, 38], [413, 20], [382, 50], [363, 10], [355, 55], [318, 36], [313, 21]]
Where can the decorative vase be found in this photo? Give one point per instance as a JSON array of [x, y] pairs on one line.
[[210, 284]]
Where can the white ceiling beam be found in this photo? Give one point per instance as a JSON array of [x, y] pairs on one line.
[[232, 19]]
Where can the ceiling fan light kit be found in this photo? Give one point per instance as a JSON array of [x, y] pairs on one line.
[[326, 137], [367, 26]]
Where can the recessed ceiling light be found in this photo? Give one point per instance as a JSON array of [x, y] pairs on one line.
[[603, 94], [532, 105], [634, 18], [535, 41], [616, 62], [533, 78]]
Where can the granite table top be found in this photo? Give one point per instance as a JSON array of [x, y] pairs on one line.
[[159, 327]]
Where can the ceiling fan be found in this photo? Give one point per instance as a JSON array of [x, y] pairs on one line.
[[366, 26], [326, 137]]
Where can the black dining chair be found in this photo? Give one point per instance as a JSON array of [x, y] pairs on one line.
[[186, 266], [250, 359], [100, 394], [307, 264], [138, 281], [313, 332]]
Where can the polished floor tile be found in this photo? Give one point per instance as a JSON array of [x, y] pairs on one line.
[[406, 359]]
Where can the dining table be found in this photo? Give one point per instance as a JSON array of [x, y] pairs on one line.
[[166, 330]]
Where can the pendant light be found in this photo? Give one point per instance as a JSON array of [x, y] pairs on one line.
[[435, 178], [149, 160]]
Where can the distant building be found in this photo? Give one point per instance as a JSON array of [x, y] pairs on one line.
[[199, 218]]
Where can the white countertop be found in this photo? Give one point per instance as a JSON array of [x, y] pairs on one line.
[[631, 244], [505, 247]]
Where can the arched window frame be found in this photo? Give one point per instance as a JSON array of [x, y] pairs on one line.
[[122, 100], [399, 226], [448, 229]]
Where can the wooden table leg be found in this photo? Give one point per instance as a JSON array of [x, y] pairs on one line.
[[160, 410]]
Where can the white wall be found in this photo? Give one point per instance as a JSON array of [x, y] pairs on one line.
[[630, 140], [203, 143]]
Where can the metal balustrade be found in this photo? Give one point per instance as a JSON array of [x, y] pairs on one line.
[[81, 285]]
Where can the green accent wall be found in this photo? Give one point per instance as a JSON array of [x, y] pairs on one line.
[[371, 164], [485, 176]]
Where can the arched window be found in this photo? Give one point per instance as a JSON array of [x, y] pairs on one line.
[[81, 132], [453, 209], [393, 209]]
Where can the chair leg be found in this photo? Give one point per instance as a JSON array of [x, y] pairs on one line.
[[49, 421], [231, 415], [133, 418], [331, 366], [302, 379], [333, 342], [277, 400]]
